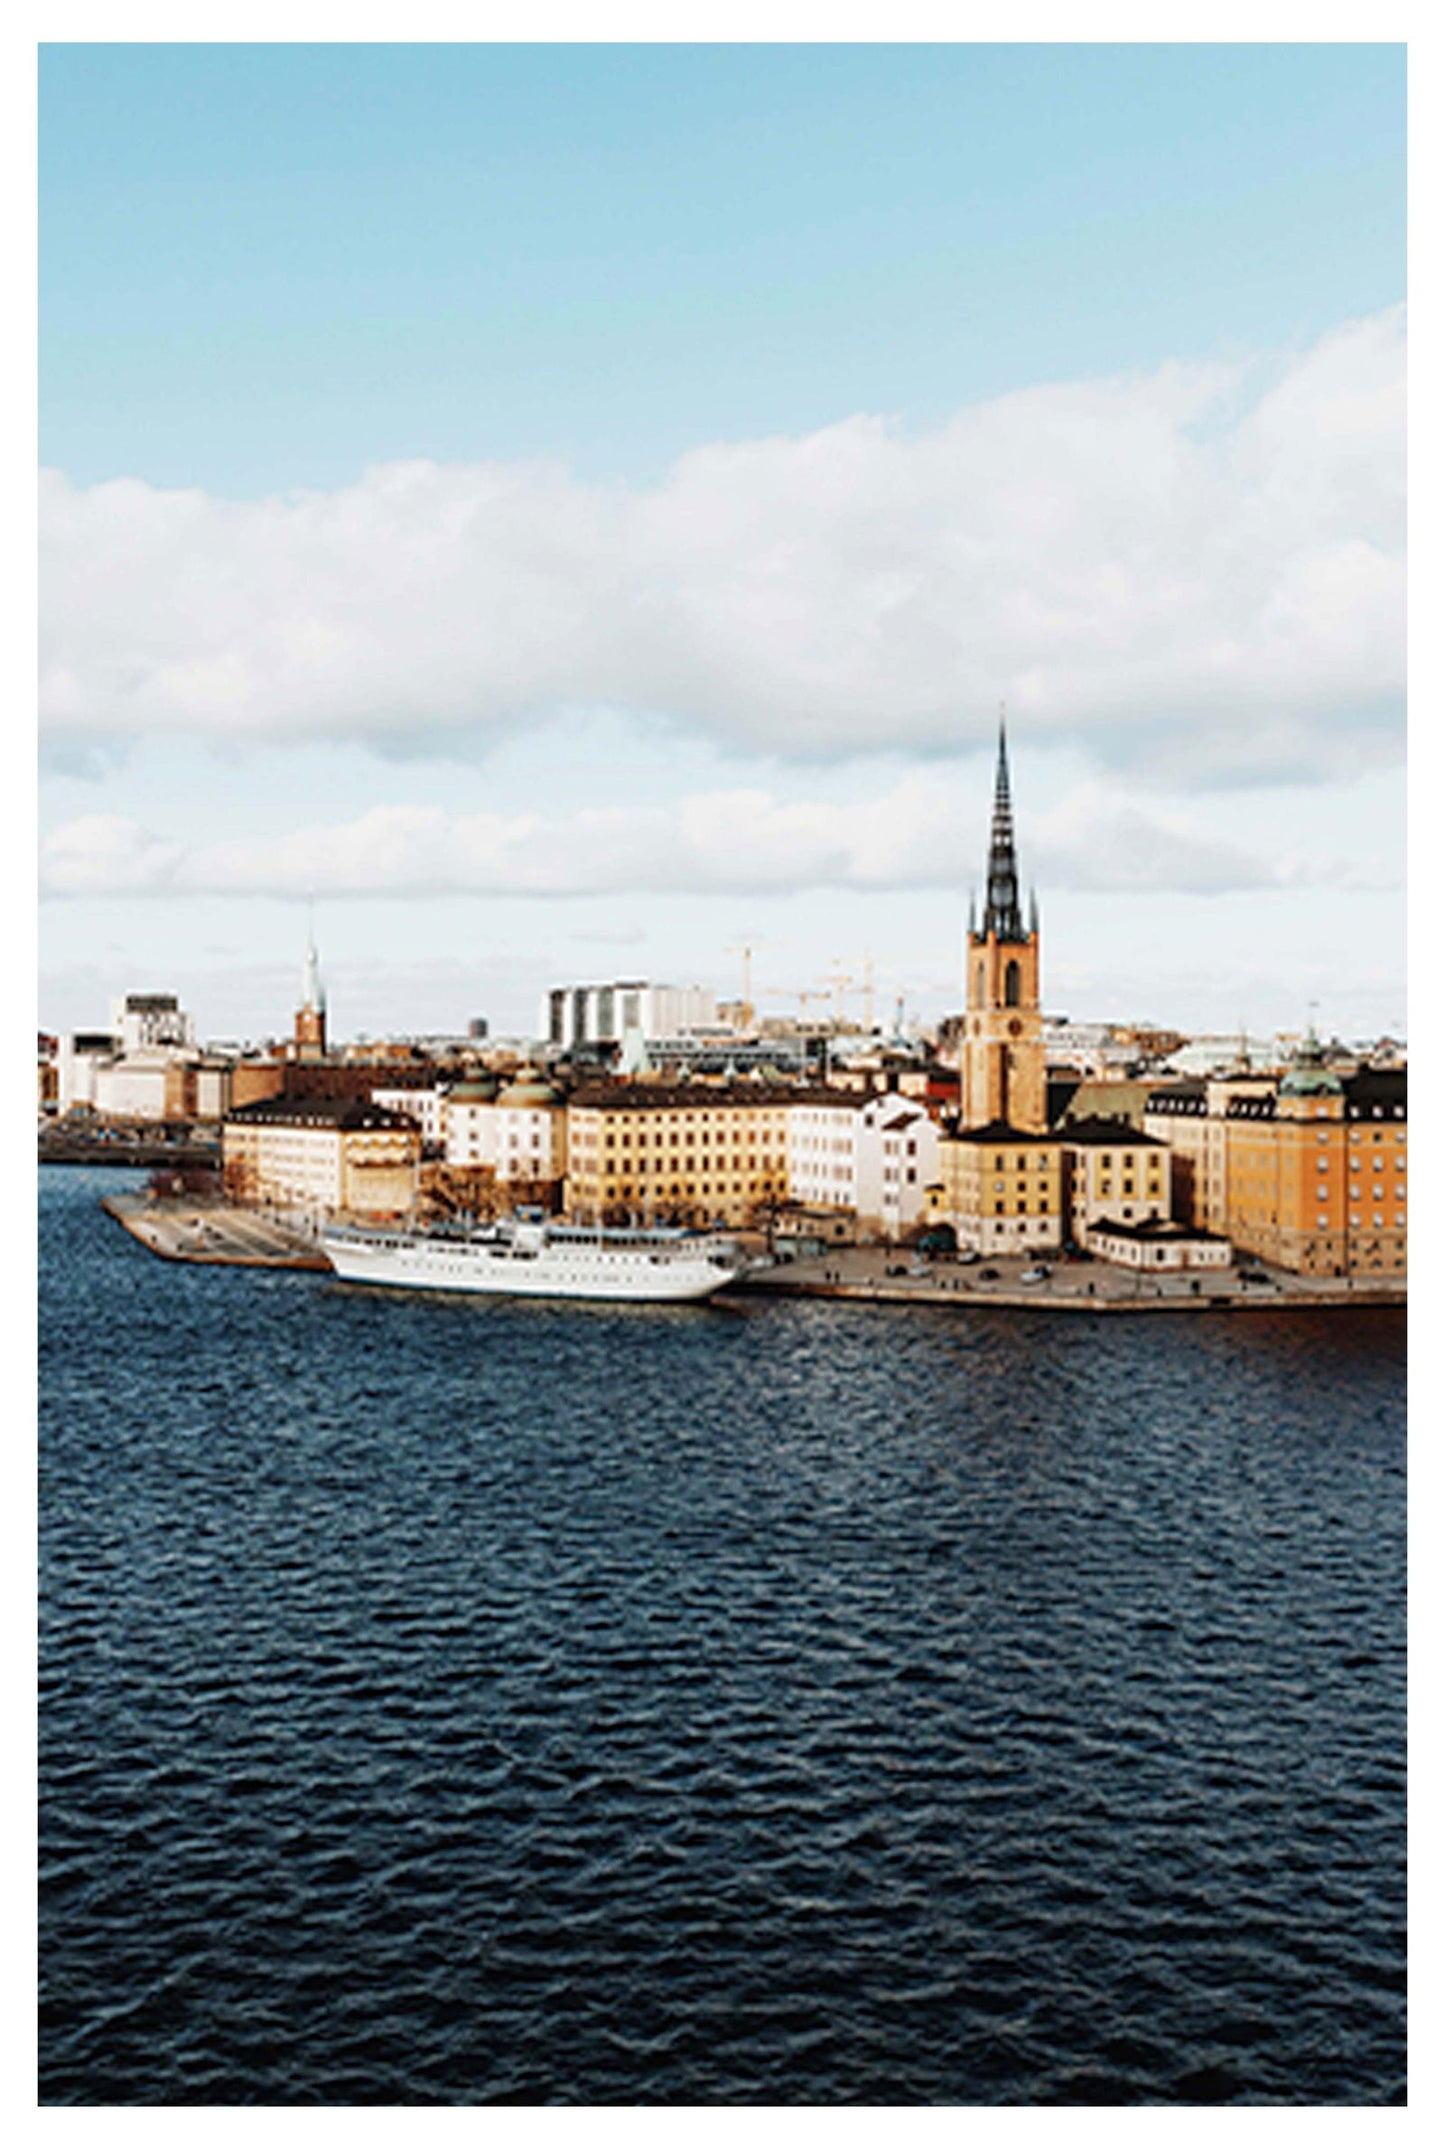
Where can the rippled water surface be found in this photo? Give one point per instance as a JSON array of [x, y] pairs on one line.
[[452, 1701]]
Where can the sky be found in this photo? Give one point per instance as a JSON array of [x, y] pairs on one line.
[[558, 513]]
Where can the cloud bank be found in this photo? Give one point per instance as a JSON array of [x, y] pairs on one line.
[[1197, 573], [745, 841]]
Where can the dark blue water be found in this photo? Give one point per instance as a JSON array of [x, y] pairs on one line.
[[453, 1702]]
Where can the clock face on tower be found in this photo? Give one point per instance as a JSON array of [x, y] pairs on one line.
[[1015, 1027]]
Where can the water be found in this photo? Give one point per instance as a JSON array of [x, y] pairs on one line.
[[445, 1701]]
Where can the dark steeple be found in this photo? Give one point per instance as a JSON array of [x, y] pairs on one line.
[[1002, 915]]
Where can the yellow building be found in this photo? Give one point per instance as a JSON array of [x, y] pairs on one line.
[[325, 1154], [685, 1154], [1002, 1189], [1113, 1174]]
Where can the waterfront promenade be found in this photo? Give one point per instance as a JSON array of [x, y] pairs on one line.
[[221, 1233], [888, 1273]]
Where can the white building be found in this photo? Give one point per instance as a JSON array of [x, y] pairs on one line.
[[426, 1108], [133, 1088], [149, 1022], [603, 1014], [518, 1133], [874, 1155], [121, 1072], [78, 1057]]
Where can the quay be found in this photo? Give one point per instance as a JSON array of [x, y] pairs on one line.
[[888, 1274], [214, 1232], [223, 1234]]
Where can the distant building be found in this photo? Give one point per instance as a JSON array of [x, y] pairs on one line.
[[309, 1029], [425, 1106], [574, 1015], [143, 1022], [127, 1071]]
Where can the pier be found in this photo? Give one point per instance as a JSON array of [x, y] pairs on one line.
[[214, 1232]]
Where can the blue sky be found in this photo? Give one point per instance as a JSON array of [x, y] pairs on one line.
[[517, 434]]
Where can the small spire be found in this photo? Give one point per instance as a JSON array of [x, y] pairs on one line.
[[313, 992]]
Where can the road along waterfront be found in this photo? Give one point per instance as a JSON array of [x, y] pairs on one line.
[[221, 1233]]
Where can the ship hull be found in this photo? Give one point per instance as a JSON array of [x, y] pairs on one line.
[[581, 1269]]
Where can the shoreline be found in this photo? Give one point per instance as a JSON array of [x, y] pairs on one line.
[[224, 1236]]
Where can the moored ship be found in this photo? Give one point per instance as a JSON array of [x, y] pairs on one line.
[[524, 1259]]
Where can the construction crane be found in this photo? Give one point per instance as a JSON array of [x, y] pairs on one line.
[[841, 983], [748, 949]]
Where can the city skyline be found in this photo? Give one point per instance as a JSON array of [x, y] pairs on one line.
[[649, 581]]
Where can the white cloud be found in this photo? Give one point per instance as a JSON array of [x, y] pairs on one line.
[[915, 835], [1182, 571]]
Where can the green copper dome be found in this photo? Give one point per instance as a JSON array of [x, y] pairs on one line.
[[1309, 1076]]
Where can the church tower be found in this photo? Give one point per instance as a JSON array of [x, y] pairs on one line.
[[309, 1033], [1003, 1042]]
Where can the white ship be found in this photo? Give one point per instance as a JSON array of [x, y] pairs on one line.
[[537, 1260]]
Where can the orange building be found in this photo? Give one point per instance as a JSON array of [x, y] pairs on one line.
[[1316, 1175]]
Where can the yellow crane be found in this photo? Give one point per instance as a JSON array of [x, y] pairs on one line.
[[748, 949]]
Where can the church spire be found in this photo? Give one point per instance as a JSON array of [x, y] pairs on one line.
[[1002, 915], [313, 993]]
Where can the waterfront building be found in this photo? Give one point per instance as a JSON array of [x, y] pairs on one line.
[[1112, 1174], [1317, 1172], [327, 1155], [1002, 1189], [517, 1130], [870, 1156], [1192, 1118], [1158, 1246], [78, 1055], [133, 1088], [578, 1015], [684, 1153]]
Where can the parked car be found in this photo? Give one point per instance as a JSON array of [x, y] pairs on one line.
[[988, 1275], [968, 1255], [1034, 1275]]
